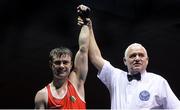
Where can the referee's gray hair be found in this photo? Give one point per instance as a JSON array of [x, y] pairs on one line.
[[134, 44]]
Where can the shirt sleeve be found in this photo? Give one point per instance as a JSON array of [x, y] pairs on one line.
[[171, 101], [110, 75], [105, 75]]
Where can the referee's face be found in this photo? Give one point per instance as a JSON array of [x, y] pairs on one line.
[[136, 59]]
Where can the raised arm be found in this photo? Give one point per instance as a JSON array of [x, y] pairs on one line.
[[80, 70], [81, 58], [94, 51]]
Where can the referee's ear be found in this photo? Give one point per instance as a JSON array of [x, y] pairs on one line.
[[147, 60], [124, 60]]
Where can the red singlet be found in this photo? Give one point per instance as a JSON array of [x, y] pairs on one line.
[[70, 101]]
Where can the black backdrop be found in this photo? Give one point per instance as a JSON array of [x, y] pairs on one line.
[[31, 28]]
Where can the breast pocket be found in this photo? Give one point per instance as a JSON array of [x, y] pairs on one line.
[[147, 100]]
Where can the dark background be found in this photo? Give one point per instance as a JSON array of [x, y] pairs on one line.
[[31, 28]]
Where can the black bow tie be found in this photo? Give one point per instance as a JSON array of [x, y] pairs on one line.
[[134, 76]]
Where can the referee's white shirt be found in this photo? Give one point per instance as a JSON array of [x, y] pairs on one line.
[[152, 91]]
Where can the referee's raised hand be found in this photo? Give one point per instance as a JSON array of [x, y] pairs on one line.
[[83, 15]]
